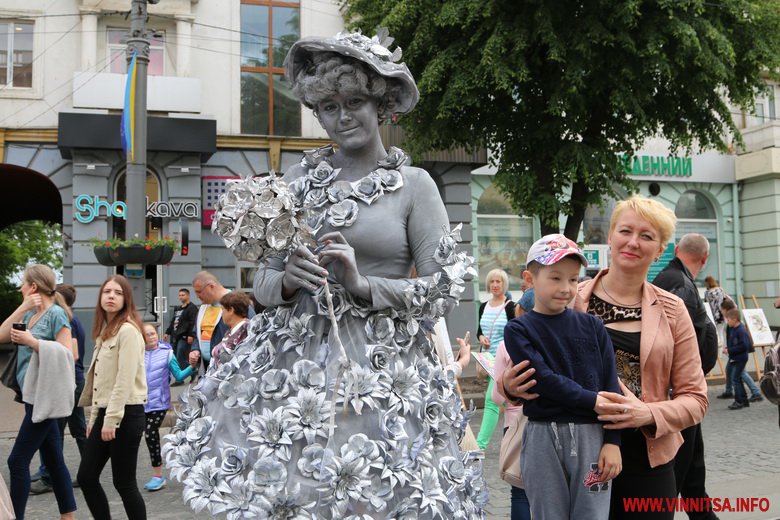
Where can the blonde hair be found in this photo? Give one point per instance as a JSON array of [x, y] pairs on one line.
[[46, 283], [501, 275], [659, 216]]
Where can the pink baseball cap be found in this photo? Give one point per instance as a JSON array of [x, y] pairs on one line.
[[550, 249]]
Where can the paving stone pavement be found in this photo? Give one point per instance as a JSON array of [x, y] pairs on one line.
[[742, 454]]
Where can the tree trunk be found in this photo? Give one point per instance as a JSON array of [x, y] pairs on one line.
[[548, 229], [579, 192]]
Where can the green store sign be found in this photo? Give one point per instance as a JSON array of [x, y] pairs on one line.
[[656, 165]]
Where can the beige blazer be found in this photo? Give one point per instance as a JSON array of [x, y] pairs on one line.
[[668, 359], [116, 376]]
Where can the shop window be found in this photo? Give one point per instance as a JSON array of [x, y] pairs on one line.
[[693, 204], [268, 30], [153, 225], [16, 54], [696, 214], [595, 225], [503, 238], [117, 52]]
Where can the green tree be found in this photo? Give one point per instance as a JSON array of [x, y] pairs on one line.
[[558, 88], [30, 242]]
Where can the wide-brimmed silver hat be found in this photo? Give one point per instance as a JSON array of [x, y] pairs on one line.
[[371, 51]]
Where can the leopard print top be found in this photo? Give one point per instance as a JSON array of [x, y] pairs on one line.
[[626, 344]]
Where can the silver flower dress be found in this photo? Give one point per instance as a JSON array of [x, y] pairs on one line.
[[291, 426]]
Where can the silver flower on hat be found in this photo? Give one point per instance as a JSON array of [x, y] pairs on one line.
[[393, 427]]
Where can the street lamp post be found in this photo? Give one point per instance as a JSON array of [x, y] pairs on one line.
[[135, 177]]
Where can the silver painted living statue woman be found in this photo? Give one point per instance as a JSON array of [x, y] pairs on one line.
[[335, 406]]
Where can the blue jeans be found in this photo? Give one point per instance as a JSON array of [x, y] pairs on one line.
[[737, 370], [77, 425], [43, 436], [745, 379], [521, 510]]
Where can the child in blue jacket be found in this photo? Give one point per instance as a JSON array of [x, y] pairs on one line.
[[739, 345], [160, 365]]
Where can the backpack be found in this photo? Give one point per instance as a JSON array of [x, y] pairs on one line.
[[770, 379]]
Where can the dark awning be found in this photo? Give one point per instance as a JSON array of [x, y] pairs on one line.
[[165, 134], [29, 196]]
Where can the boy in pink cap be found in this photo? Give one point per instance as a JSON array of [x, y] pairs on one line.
[[567, 457]]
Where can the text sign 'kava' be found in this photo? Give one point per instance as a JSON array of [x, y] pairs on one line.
[[90, 207]]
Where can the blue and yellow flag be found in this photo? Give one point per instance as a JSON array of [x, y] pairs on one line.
[[127, 128]]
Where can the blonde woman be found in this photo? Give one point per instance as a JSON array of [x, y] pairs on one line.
[[45, 316], [117, 394], [493, 317], [655, 350]]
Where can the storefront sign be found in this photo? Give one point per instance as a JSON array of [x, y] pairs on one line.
[[663, 260], [90, 207], [592, 256], [657, 165]]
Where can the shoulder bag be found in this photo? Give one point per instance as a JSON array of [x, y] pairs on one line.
[[8, 378], [509, 456]]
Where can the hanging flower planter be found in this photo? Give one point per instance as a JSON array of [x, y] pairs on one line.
[[147, 251]]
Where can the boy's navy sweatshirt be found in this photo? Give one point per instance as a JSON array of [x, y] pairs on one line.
[[574, 360], [738, 343]]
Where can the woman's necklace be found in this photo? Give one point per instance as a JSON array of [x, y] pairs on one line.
[[604, 287]]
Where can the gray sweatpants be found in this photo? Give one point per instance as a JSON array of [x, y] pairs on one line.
[[559, 463]]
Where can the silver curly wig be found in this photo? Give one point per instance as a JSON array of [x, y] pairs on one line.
[[330, 73]]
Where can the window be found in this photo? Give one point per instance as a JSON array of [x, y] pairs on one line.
[[268, 30], [503, 238], [16, 54], [696, 214], [117, 52]]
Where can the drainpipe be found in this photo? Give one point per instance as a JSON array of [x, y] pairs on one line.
[[737, 242]]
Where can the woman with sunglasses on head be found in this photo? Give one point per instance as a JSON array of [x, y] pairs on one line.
[[116, 390]]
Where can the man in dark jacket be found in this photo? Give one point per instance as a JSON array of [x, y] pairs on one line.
[[179, 332], [678, 276]]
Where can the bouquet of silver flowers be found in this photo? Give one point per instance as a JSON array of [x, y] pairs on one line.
[[258, 217]]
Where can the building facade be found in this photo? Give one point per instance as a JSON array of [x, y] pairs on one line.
[[219, 108]]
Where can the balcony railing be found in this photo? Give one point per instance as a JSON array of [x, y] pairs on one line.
[[393, 135]]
